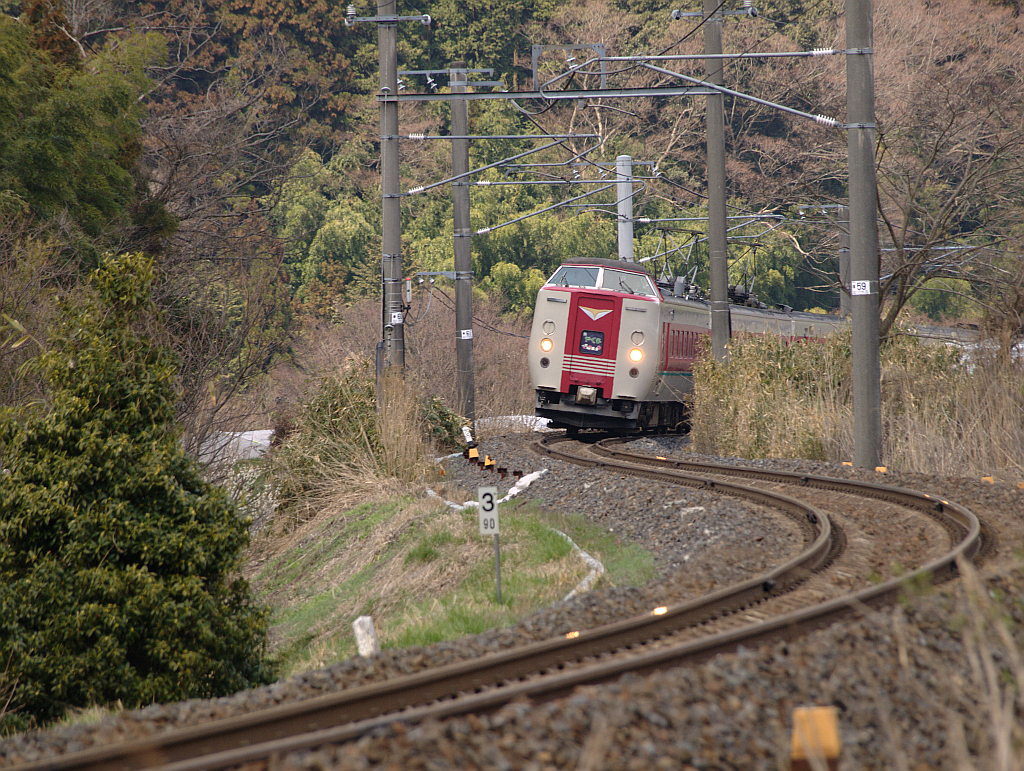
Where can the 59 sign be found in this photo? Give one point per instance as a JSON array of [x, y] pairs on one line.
[[487, 497]]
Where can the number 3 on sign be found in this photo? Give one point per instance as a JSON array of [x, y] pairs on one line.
[[487, 497]]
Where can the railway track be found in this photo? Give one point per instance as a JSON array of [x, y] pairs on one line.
[[761, 609]]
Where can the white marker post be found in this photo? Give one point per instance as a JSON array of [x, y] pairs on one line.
[[487, 497]]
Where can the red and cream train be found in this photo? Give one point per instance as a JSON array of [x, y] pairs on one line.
[[611, 348]]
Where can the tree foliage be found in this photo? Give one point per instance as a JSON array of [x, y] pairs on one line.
[[949, 99], [151, 131], [116, 558], [70, 135], [235, 139], [951, 152]]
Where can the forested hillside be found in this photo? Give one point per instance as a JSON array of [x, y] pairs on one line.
[[238, 145], [190, 193]]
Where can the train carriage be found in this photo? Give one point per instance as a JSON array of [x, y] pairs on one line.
[[611, 348]]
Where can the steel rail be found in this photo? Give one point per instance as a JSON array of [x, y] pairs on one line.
[[351, 713], [953, 515], [370, 701]]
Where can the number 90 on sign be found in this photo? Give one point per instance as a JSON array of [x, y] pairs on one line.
[[487, 497]]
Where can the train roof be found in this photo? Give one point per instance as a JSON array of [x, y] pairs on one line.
[[607, 263], [666, 293]]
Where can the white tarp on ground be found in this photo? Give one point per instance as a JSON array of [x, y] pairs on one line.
[[237, 445], [530, 422], [250, 444]]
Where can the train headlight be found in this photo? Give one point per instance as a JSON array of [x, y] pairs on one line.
[[546, 345], [636, 355]]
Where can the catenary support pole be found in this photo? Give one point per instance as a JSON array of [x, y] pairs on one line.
[[393, 337], [843, 223], [462, 245], [721, 328], [624, 198], [864, 269]]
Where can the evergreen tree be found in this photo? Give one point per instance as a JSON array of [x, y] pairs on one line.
[[116, 558]]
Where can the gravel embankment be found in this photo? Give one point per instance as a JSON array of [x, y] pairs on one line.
[[910, 693]]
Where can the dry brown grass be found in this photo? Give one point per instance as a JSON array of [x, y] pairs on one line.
[[344, 450], [955, 419], [774, 401], [501, 379], [940, 415]]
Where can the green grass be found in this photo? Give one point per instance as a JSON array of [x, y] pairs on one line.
[[427, 549], [524, 586], [426, 575], [365, 517]]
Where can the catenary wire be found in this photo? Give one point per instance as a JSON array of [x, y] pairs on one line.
[[450, 305]]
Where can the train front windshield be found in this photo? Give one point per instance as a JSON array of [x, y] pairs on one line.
[[613, 280], [573, 275], [621, 281]]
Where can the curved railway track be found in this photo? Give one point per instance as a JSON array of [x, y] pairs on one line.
[[684, 633]]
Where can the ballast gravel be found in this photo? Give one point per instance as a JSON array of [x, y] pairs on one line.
[[932, 683]]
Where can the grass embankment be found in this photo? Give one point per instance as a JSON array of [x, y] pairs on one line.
[[423, 572], [357, 534]]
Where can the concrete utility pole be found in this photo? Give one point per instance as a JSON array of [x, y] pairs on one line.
[[721, 326], [624, 198], [462, 245], [843, 221], [860, 118], [392, 348]]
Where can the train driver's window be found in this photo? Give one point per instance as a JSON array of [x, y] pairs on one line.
[[574, 275], [634, 283]]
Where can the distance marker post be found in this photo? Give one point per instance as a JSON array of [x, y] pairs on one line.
[[487, 498]]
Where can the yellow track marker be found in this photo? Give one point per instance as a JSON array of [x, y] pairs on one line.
[[815, 739]]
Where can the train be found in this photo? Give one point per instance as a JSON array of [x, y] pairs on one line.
[[613, 348]]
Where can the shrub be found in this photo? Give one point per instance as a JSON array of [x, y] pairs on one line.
[[115, 555], [441, 424], [343, 449]]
